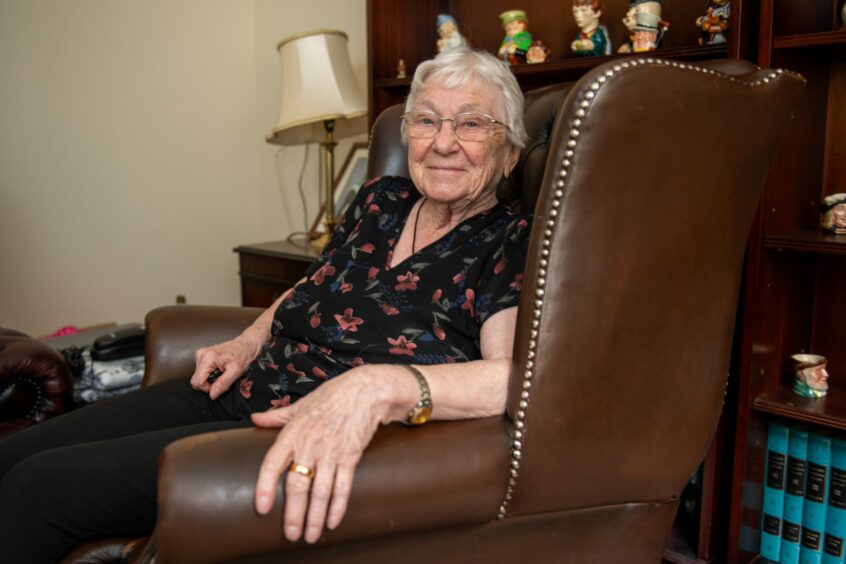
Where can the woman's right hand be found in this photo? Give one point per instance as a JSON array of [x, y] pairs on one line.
[[230, 357], [233, 357]]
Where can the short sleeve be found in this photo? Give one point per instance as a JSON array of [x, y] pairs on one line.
[[347, 223], [499, 285]]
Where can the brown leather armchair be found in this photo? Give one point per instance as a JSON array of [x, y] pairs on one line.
[[35, 382], [646, 176]]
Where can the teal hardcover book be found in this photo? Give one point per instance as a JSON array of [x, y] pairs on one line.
[[794, 496], [835, 517], [816, 498], [774, 483]]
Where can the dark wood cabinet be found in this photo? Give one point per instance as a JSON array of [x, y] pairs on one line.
[[268, 269], [795, 275], [400, 29]]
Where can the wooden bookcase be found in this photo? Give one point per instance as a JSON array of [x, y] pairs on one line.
[[405, 29], [795, 275]]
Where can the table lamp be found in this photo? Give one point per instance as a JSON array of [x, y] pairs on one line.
[[321, 102]]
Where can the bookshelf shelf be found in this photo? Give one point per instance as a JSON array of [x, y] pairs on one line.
[[563, 70], [810, 39], [832, 42], [573, 68], [808, 241], [829, 411], [403, 83]]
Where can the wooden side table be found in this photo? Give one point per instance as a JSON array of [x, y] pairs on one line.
[[268, 269]]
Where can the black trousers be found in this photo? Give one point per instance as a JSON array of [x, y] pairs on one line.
[[91, 473]]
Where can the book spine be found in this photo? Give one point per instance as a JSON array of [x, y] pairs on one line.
[[794, 496], [835, 518], [816, 498], [775, 480]]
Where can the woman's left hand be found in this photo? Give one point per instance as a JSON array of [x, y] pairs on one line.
[[326, 431]]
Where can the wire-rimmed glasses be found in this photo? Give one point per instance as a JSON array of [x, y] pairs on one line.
[[467, 126]]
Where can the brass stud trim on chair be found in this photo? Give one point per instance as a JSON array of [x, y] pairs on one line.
[[584, 102], [40, 401]]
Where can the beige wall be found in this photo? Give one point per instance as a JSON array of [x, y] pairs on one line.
[[132, 154]]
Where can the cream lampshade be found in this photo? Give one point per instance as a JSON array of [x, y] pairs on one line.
[[321, 101]]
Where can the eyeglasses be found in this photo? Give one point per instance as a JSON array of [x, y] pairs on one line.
[[467, 126]]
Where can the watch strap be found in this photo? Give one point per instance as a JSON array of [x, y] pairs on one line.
[[421, 411]]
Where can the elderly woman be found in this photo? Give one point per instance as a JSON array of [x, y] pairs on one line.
[[408, 314]]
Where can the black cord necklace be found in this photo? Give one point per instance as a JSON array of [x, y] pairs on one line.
[[416, 220]]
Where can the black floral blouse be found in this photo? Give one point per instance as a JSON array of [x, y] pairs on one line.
[[355, 309]]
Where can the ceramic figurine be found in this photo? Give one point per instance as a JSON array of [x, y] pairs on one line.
[[401, 69], [645, 15], [811, 376], [537, 53], [517, 37], [593, 37], [449, 35], [833, 214], [645, 36], [715, 23]]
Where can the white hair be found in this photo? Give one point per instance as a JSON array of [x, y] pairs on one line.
[[461, 66]]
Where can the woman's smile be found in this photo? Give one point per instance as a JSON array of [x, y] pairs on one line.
[[445, 169]]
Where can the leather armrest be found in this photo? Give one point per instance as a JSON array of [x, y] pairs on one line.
[[104, 550], [174, 333], [35, 381], [440, 475]]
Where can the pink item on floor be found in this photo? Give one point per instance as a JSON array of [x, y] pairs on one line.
[[63, 332]]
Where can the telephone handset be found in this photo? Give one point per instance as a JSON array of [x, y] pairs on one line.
[[121, 343]]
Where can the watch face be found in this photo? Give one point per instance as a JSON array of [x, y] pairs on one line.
[[420, 415]]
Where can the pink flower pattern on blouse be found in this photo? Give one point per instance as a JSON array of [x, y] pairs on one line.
[[321, 274], [407, 281], [245, 387], [347, 322], [401, 346]]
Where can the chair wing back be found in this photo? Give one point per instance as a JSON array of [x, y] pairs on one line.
[[631, 286], [388, 156]]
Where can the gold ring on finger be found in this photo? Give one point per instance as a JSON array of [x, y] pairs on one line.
[[302, 470]]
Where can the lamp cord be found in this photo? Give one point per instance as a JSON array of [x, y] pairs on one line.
[[304, 235], [302, 193]]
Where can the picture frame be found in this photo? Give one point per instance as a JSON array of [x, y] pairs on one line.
[[352, 175]]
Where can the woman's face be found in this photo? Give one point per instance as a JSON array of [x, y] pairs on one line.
[[448, 170]]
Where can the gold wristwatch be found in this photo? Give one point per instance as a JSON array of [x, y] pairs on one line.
[[421, 411]]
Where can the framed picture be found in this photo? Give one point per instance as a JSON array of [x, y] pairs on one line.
[[352, 175]]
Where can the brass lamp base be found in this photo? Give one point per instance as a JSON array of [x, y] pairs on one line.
[[328, 186], [320, 242]]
